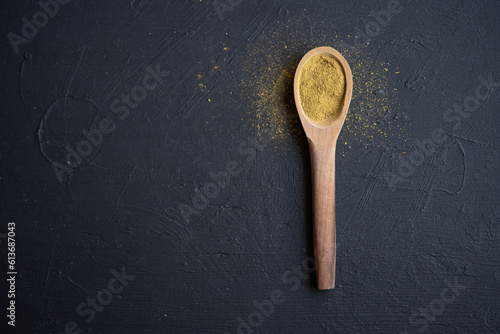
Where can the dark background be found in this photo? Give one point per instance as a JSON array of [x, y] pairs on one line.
[[399, 243]]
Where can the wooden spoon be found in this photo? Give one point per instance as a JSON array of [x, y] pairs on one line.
[[322, 138]]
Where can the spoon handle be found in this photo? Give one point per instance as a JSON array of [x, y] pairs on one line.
[[323, 185]]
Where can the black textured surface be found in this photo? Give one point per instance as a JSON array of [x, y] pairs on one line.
[[406, 229]]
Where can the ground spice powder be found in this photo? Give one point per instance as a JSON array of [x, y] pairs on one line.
[[322, 87]]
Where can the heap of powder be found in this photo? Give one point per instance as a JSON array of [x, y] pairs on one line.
[[322, 87]]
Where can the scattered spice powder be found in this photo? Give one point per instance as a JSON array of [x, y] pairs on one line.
[[267, 73], [322, 87]]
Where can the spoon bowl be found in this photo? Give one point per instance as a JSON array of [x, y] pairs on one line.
[[322, 138], [337, 121]]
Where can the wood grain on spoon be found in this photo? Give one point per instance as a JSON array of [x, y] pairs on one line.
[[322, 138]]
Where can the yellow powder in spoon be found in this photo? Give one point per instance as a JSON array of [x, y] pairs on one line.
[[322, 87]]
